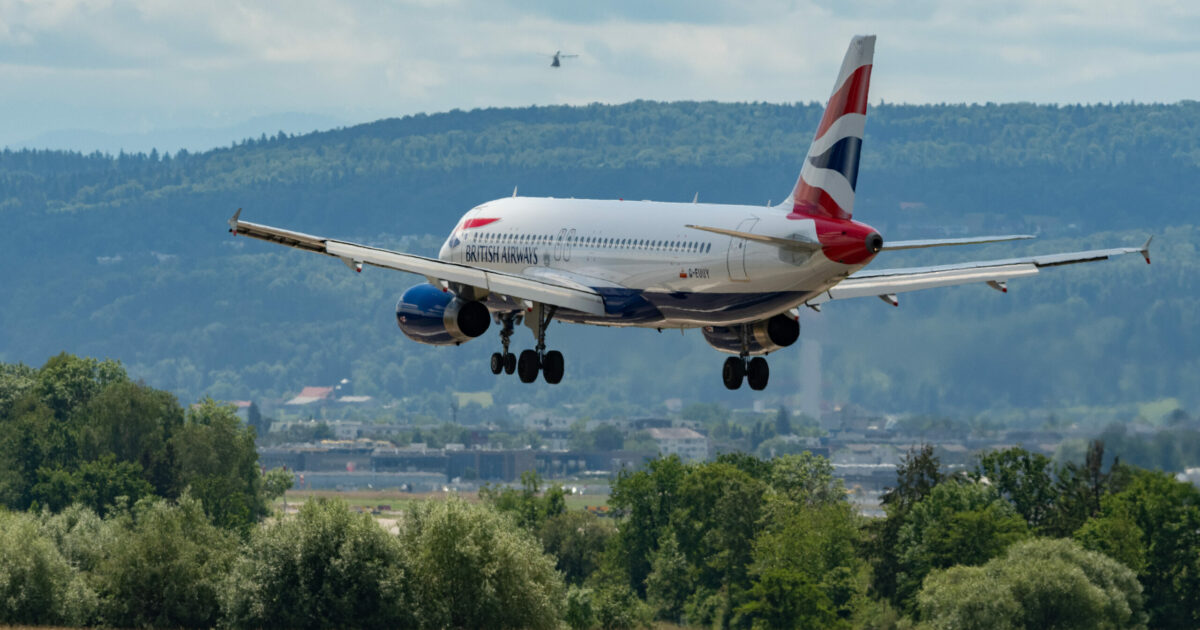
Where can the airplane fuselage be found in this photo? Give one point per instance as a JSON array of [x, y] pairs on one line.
[[651, 268]]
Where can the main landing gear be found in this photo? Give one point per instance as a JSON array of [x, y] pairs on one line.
[[549, 363], [755, 370]]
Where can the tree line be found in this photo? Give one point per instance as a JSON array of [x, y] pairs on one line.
[[164, 564], [123, 509], [633, 136], [80, 431]]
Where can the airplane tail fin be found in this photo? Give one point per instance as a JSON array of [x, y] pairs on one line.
[[827, 180]]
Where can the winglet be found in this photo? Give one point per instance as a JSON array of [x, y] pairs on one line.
[[233, 221], [1145, 250]]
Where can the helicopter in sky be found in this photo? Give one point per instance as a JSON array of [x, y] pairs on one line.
[[558, 55]]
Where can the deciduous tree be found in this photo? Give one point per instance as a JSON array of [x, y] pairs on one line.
[[1040, 583], [219, 463], [471, 568], [165, 567], [325, 568], [958, 523]]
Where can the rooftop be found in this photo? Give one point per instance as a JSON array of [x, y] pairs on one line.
[[674, 433], [310, 395]]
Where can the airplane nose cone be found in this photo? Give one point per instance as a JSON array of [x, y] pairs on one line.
[[874, 242]]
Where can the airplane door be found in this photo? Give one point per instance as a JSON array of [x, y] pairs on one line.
[[736, 258]]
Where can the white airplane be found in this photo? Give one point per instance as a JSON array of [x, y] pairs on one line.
[[739, 273]]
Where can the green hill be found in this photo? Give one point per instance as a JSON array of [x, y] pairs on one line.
[[126, 256]]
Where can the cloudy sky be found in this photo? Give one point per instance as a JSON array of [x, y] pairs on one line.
[[89, 74]]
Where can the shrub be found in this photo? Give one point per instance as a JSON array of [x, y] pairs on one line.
[[37, 585], [474, 568], [165, 567], [580, 612], [1040, 583], [618, 608], [325, 568]]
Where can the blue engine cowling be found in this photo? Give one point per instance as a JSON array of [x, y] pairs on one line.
[[762, 337], [427, 314]]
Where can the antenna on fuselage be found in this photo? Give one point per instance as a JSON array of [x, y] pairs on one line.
[[696, 199], [514, 191]]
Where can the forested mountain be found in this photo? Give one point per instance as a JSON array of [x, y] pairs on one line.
[[127, 257]]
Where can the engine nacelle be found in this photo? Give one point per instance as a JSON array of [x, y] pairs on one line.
[[762, 337], [427, 314]]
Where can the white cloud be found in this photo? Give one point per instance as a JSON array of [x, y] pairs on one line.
[[154, 63]]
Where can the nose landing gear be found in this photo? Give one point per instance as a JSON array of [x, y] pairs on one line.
[[505, 361]]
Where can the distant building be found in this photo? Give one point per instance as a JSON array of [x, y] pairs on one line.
[[849, 418], [641, 424], [242, 409], [555, 439], [312, 395], [346, 430], [365, 456], [561, 463], [860, 454], [689, 445], [505, 465]]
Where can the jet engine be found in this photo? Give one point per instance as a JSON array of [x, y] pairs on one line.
[[427, 314], [761, 337]]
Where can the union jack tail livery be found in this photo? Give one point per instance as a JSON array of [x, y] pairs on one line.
[[827, 180]]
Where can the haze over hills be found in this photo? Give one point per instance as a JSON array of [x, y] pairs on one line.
[[173, 139], [127, 257]]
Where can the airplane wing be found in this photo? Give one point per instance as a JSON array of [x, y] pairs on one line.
[[886, 283], [545, 290]]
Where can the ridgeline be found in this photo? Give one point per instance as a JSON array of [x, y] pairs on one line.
[[127, 257]]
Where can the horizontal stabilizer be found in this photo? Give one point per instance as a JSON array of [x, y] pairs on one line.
[[786, 243], [946, 242]]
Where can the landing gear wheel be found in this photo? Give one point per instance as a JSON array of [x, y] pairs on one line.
[[733, 371], [528, 366], [497, 363], [757, 373], [510, 363], [552, 367]]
